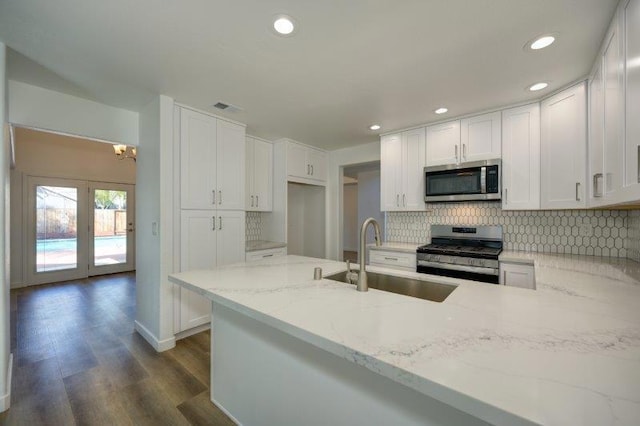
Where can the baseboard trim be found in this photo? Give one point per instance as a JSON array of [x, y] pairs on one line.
[[158, 345], [192, 331], [5, 400], [228, 414]]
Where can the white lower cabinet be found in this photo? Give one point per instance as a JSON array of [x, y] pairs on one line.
[[208, 238], [393, 259], [517, 275], [266, 254]]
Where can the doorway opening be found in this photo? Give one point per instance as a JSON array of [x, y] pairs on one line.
[[360, 200], [72, 209]]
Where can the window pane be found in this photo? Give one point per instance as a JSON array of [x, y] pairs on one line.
[[110, 227], [56, 228]]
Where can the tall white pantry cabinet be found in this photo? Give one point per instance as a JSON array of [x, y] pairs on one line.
[[211, 164]]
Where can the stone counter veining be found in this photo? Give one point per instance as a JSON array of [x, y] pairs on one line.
[[567, 353]]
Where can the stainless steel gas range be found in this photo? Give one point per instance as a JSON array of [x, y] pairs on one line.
[[469, 252]]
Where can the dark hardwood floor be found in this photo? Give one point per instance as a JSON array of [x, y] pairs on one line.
[[78, 360]]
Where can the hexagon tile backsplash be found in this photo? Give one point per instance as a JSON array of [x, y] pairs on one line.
[[253, 226], [614, 233]]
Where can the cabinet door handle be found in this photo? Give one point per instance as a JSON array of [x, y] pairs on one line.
[[219, 223], [456, 152], [397, 200], [252, 201], [404, 200], [257, 201], [506, 198], [213, 196], [308, 170], [267, 255], [219, 197], [312, 170], [577, 191], [638, 164], [213, 223], [464, 151], [395, 259], [504, 277], [596, 193]]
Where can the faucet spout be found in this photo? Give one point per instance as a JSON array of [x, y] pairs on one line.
[[362, 284]]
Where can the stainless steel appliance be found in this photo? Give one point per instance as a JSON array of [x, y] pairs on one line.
[[469, 252], [478, 180]]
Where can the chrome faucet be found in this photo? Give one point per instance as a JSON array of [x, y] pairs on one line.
[[362, 284]]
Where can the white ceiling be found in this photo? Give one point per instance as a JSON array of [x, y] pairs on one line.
[[350, 64]]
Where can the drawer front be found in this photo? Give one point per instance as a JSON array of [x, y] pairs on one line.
[[393, 259], [265, 254]]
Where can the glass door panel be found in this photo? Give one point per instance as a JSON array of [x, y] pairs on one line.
[[112, 230], [56, 228], [56, 240]]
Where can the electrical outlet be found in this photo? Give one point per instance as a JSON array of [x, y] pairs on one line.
[[586, 231]]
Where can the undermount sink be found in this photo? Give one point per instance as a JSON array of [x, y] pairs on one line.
[[434, 292]]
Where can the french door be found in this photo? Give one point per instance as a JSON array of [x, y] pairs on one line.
[[77, 229]]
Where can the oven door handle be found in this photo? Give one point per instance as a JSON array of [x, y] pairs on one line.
[[474, 269]]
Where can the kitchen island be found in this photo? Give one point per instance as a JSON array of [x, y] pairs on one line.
[[290, 350]]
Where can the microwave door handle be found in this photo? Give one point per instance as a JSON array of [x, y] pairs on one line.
[[483, 180]]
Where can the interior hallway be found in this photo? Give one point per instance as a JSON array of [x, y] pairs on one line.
[[77, 360]]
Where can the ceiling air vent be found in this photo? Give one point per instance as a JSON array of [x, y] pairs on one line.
[[226, 107]]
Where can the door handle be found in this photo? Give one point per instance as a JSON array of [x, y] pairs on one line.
[[506, 198], [308, 169], [213, 196], [504, 277], [219, 197], [397, 200], [456, 152], [577, 191], [252, 201], [464, 151], [257, 201], [312, 170], [219, 223], [213, 223], [596, 177], [404, 200]]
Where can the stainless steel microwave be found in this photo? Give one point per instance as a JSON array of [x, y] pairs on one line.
[[478, 180]]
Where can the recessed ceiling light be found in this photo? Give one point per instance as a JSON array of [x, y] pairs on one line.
[[540, 42], [441, 110], [543, 42], [375, 127], [537, 86], [283, 25]]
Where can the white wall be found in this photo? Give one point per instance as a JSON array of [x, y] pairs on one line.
[[5, 357], [337, 160], [32, 106], [369, 201], [47, 154], [350, 216], [154, 217]]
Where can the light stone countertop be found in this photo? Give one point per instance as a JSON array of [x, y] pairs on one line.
[[567, 353], [393, 246], [262, 245]]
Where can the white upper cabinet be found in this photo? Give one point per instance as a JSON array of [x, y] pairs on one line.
[[402, 160], [613, 113], [259, 189], [306, 164], [564, 149], [230, 163], [390, 172], [521, 158], [596, 138], [481, 137], [212, 161], [197, 160], [443, 144], [631, 13]]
